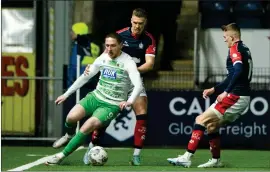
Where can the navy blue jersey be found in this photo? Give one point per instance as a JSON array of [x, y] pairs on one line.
[[239, 67], [137, 47]]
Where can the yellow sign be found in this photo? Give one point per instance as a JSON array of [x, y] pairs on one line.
[[18, 95]]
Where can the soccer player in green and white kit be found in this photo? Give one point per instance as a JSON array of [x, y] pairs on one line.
[[118, 72]]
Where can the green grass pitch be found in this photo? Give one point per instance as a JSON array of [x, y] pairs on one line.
[[152, 160]]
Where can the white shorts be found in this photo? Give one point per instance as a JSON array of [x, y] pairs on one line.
[[142, 93], [231, 107]]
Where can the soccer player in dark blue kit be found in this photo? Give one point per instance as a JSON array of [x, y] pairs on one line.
[[141, 46], [229, 105]]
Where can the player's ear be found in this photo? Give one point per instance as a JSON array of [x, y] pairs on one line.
[[121, 45]]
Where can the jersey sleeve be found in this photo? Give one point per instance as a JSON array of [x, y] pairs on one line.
[[235, 55], [122, 30], [98, 60], [135, 78], [94, 69], [151, 49]]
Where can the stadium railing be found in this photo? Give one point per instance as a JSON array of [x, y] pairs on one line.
[[185, 79]]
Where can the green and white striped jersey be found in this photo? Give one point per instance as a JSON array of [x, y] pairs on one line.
[[116, 77]]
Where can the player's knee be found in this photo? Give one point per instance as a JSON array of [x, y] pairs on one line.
[[95, 123], [140, 111], [90, 125], [71, 118], [200, 120], [75, 114], [212, 127], [140, 107]]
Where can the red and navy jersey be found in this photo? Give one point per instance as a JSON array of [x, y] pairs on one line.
[[239, 66], [137, 47]]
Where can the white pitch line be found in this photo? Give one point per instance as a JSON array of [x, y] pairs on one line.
[[37, 162], [117, 148], [36, 155]]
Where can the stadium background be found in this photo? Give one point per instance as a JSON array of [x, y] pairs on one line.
[[36, 50]]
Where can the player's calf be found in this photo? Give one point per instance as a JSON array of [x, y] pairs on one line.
[[90, 125], [196, 136], [70, 132], [75, 114], [140, 109]]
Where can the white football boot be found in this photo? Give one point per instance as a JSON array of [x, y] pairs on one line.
[[86, 160], [56, 159], [62, 141], [212, 163], [181, 160]]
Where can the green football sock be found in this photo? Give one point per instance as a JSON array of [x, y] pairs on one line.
[[74, 143], [70, 128]]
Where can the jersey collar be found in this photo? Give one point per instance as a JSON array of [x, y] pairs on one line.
[[133, 35]]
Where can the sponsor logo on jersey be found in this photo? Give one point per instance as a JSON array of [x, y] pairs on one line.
[[234, 55], [125, 44], [136, 60], [141, 45], [109, 73]]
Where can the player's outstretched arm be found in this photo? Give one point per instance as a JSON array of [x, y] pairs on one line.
[[148, 65], [149, 56], [230, 81], [238, 68], [135, 78], [208, 92], [82, 80], [221, 86]]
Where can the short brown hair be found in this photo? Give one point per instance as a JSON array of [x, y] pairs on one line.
[[232, 27], [139, 12], [114, 36]]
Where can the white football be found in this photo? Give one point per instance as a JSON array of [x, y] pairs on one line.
[[98, 156]]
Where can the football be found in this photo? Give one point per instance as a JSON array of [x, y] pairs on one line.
[[98, 156]]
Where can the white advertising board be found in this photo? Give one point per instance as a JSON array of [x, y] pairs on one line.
[[213, 52]]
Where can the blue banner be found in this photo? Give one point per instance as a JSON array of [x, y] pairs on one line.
[[171, 117]]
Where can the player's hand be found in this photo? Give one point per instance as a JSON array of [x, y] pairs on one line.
[[60, 99], [222, 96], [86, 70], [124, 104], [208, 92]]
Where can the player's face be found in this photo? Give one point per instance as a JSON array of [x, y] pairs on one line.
[[113, 48], [228, 39], [137, 24]]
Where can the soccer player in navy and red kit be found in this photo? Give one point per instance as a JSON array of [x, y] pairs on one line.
[[229, 105], [141, 46]]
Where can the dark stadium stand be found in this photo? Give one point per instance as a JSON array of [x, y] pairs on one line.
[[248, 14]]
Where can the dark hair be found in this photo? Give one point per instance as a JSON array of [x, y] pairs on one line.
[[232, 27], [139, 12], [115, 36]]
